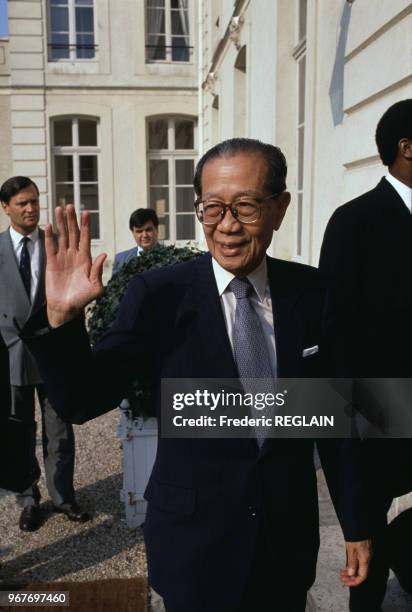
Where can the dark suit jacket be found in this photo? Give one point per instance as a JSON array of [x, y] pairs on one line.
[[208, 498], [367, 255]]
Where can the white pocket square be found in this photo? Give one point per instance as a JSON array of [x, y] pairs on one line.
[[311, 350]]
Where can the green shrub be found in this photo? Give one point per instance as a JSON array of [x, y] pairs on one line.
[[104, 310]]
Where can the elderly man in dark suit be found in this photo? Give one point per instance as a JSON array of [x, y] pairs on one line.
[[366, 252], [232, 524], [22, 266]]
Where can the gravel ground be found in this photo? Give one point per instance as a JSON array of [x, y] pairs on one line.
[[61, 550], [106, 548]]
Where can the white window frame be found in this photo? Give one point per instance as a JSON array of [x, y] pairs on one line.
[[168, 36], [172, 155], [72, 35], [75, 151]]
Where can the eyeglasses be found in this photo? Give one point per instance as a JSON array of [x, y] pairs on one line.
[[244, 209]]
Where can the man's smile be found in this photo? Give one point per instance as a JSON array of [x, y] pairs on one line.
[[231, 247]]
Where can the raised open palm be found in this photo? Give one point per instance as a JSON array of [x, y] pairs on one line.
[[72, 279]]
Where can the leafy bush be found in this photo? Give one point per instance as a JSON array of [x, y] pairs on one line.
[[104, 310]]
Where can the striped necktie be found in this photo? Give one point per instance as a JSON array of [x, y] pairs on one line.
[[249, 346]]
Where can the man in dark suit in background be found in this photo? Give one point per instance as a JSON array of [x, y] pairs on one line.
[[232, 524], [22, 266], [367, 253], [144, 225]]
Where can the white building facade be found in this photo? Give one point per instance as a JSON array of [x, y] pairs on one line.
[[313, 77], [98, 105], [109, 103]]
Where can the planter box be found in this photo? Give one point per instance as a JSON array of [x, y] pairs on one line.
[[139, 442]]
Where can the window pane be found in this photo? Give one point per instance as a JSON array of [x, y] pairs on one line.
[[185, 227], [59, 19], [84, 2], [89, 198], [163, 228], [157, 3], [88, 168], [185, 170], [159, 172], [155, 21], [179, 23], [159, 200], [54, 2], [184, 134], [158, 134], [87, 133], [63, 165], [94, 226], [63, 133], [59, 46], [84, 19], [85, 46], [184, 199], [156, 47], [180, 50], [64, 195]]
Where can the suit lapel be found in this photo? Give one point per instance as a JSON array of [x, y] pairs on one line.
[[11, 273], [214, 351], [389, 200], [287, 323], [287, 326], [40, 296], [134, 252]]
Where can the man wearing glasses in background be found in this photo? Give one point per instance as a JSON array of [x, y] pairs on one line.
[[231, 525]]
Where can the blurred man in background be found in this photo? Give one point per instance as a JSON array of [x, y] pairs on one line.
[[144, 225]]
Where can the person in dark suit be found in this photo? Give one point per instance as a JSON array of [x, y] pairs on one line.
[[232, 524], [22, 266], [366, 252], [144, 225]]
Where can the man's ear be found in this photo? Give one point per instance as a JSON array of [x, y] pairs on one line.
[[282, 202], [405, 148]]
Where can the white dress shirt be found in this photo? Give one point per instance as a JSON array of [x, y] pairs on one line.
[[33, 247], [260, 299], [403, 190]]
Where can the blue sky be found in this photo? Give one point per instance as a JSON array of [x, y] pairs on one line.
[[3, 18]]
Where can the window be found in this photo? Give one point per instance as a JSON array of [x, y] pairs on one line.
[[75, 162], [171, 163], [71, 30], [300, 57], [167, 31]]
